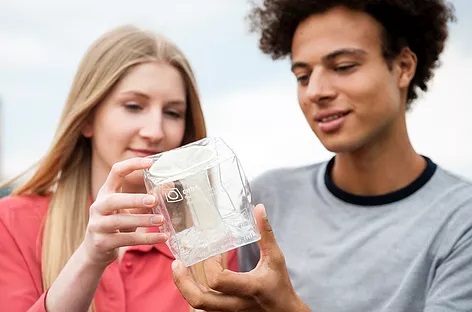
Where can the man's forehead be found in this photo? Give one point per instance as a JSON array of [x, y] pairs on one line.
[[336, 29]]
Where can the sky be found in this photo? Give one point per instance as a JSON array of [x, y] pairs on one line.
[[248, 99]]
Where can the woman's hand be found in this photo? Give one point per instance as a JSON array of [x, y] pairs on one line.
[[113, 217]]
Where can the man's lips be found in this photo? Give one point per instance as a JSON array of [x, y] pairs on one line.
[[330, 115], [331, 121]]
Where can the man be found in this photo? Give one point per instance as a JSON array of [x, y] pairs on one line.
[[379, 227]]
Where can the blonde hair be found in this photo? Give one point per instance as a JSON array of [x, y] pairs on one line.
[[65, 171]]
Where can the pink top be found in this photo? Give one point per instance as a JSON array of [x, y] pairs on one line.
[[142, 281]]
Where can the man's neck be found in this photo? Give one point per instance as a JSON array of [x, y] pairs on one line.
[[378, 170]]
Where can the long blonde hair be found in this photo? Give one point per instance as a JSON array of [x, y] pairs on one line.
[[65, 171]]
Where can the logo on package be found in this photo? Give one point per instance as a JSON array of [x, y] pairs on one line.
[[173, 195]]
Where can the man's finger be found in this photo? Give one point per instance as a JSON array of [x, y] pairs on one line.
[[228, 282], [271, 255], [201, 299], [267, 243]]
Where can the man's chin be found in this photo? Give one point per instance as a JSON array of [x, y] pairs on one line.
[[333, 143], [338, 146]]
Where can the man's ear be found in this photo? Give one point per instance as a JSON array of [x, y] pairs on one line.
[[406, 63]]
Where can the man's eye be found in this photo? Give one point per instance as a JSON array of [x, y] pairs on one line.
[[303, 79], [345, 67]]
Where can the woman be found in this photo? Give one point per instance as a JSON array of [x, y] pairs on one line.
[[78, 235]]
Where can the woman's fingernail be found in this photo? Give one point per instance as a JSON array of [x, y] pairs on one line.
[[149, 200], [156, 220]]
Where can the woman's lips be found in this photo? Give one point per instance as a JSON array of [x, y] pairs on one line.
[[143, 152]]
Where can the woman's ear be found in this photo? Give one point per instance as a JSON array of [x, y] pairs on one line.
[[406, 63], [87, 131]]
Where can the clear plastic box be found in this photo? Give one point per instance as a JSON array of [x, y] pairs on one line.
[[205, 199]]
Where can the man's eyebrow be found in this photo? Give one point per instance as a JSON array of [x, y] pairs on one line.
[[344, 52], [302, 65], [331, 56]]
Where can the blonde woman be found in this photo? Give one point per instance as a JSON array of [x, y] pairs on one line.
[[67, 236]]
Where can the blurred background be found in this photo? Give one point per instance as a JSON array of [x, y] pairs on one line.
[[248, 99]]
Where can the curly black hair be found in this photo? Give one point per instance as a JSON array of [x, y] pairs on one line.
[[420, 25]]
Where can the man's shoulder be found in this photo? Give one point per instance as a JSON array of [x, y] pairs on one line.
[[450, 195], [454, 185], [282, 176], [274, 185]]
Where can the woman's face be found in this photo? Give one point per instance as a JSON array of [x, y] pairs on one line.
[[143, 115]]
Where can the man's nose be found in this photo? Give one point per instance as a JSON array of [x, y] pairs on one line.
[[320, 89]]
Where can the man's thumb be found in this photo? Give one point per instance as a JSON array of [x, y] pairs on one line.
[[267, 243]]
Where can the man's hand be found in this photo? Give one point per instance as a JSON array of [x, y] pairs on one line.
[[266, 288]]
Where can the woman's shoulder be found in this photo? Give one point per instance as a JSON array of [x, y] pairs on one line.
[[21, 223], [28, 210]]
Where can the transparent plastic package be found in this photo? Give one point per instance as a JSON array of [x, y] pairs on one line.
[[205, 199]]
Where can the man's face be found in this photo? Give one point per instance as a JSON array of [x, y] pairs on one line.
[[349, 95]]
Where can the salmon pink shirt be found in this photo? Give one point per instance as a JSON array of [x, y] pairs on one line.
[[142, 281]]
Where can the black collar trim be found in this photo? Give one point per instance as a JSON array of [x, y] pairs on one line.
[[375, 200]]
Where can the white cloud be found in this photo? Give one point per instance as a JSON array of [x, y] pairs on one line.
[[163, 10], [52, 33], [21, 51]]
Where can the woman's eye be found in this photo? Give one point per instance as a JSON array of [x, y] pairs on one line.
[[133, 107], [173, 114]]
